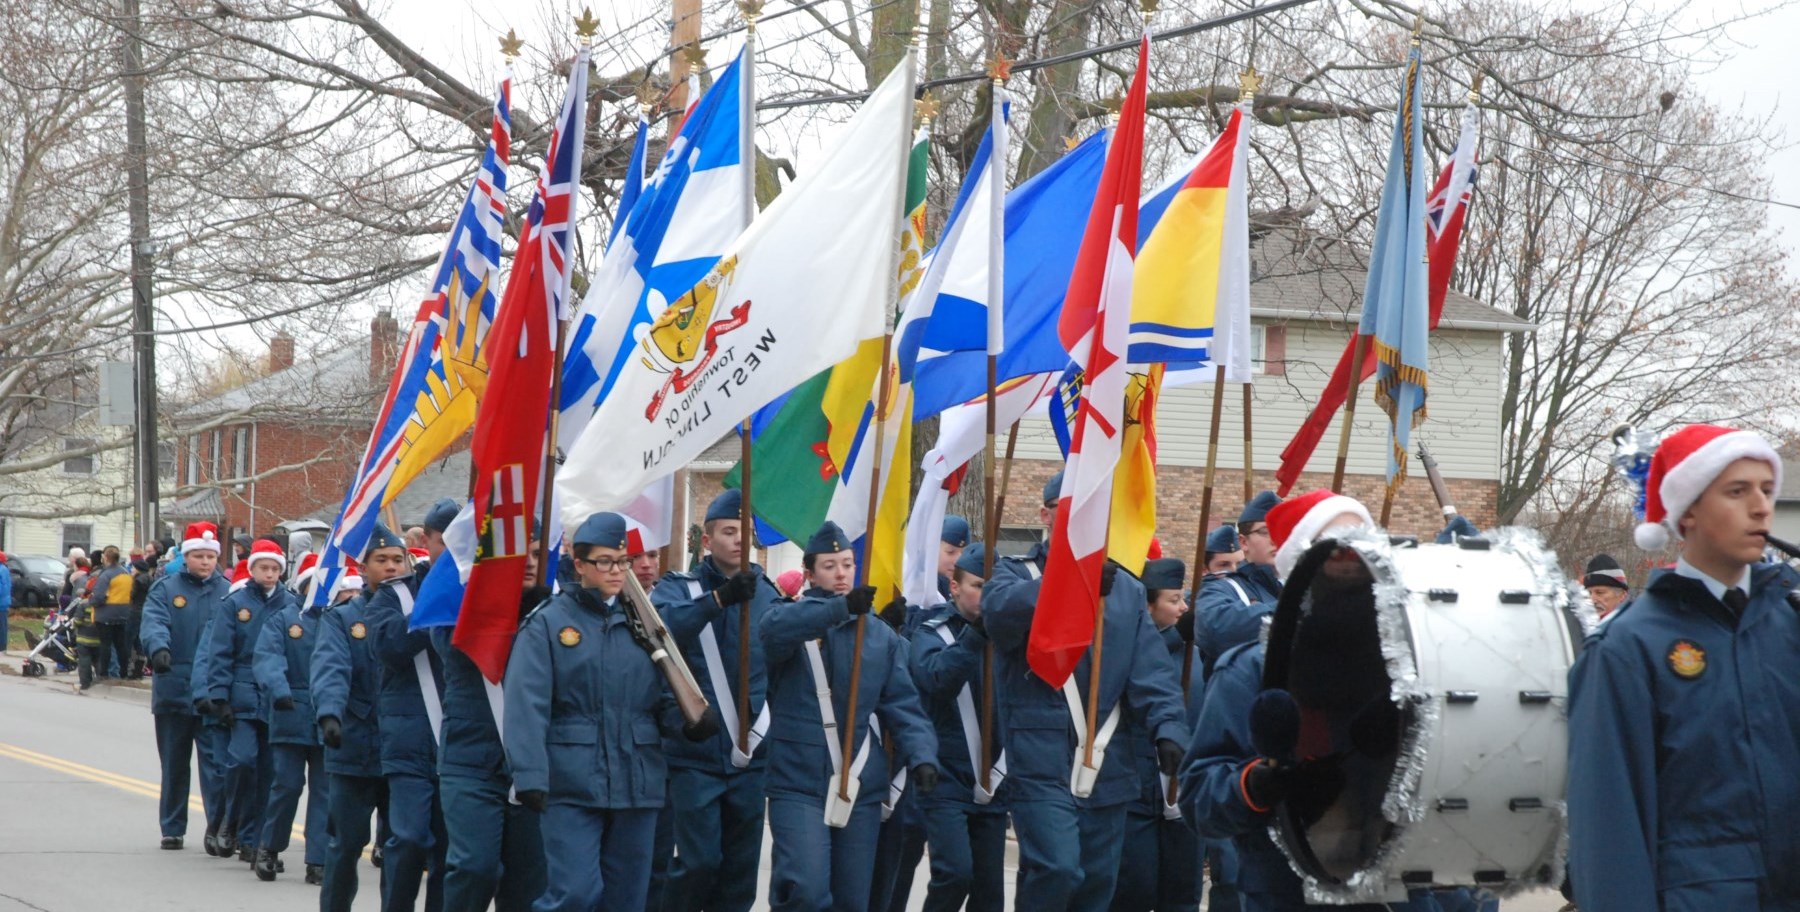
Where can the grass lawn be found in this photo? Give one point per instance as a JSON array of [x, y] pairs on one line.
[[18, 623]]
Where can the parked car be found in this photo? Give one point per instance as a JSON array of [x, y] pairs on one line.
[[36, 579]]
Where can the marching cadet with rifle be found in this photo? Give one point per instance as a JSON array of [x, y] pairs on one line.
[[1071, 827], [231, 684], [586, 711], [716, 785], [283, 665], [176, 614], [830, 667], [1229, 607], [965, 824]]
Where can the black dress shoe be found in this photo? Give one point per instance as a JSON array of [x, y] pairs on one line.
[[227, 843], [265, 864], [171, 842], [280, 866], [211, 844], [315, 874], [246, 854]]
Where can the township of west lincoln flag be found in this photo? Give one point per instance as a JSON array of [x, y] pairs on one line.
[[811, 278]]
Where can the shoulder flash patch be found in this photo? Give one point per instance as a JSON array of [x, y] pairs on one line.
[[359, 630], [295, 631], [179, 601], [568, 636], [1687, 659], [243, 614]]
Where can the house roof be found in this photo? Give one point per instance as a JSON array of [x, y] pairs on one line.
[[448, 477], [205, 503], [1298, 274], [332, 387]]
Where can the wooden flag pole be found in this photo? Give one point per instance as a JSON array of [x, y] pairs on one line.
[[993, 501], [1249, 452], [548, 480], [1212, 462], [1358, 343], [746, 537]]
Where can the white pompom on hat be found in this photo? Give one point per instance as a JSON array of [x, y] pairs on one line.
[[200, 536], [1682, 468]]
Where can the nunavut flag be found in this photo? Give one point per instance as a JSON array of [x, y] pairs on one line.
[[1093, 328]]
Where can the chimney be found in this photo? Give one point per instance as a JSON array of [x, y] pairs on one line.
[[384, 348], [281, 352]]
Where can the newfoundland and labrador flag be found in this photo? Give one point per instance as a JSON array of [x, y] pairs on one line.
[[796, 293]]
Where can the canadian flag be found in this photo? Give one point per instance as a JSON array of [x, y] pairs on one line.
[[1096, 320]]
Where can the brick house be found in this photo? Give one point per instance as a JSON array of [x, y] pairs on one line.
[[284, 446]]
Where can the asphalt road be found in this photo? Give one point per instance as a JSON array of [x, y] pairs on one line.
[[78, 785]]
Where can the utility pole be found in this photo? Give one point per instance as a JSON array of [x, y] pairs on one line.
[[684, 42], [143, 251]]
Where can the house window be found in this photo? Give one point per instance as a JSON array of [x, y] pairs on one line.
[[81, 464], [218, 448], [240, 454], [166, 461], [77, 535], [193, 448], [1016, 540], [1259, 348]]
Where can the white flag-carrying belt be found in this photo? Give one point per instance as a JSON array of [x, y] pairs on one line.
[[434, 706], [837, 807], [715, 668], [1082, 777], [971, 726]]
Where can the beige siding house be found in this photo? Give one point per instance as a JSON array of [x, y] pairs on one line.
[[83, 500]]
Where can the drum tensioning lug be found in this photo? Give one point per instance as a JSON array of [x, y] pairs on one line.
[[1535, 697], [1461, 696], [1417, 878], [1515, 597], [1441, 595], [1525, 804], [1483, 878], [1452, 804], [1474, 543], [1403, 541]]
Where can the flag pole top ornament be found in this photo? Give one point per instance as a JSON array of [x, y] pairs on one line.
[[927, 108], [751, 10], [1149, 9], [1418, 30], [1248, 83], [586, 27], [695, 54], [999, 69], [1475, 86], [511, 45]]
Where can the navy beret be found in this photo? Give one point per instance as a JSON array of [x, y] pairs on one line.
[[438, 518], [1222, 540], [728, 505], [604, 529], [383, 537], [956, 531], [1257, 510], [828, 540], [1164, 573], [972, 559], [1459, 527], [1053, 490]]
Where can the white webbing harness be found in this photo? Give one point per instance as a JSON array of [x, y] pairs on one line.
[[715, 668], [971, 726]]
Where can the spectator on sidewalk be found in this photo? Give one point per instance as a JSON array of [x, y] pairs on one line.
[[5, 599], [111, 596]]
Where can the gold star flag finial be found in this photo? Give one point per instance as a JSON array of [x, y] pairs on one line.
[[927, 107], [511, 45], [1070, 142], [1248, 83], [751, 10], [586, 26], [999, 69]]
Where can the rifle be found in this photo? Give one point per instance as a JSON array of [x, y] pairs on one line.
[[1438, 489], [647, 625]]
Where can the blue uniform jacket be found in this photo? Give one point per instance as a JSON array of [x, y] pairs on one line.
[[1136, 740], [237, 623], [176, 612], [586, 708], [408, 746], [686, 615], [1684, 752], [1222, 619], [1040, 734], [799, 762], [345, 685], [940, 670], [283, 666], [469, 744]]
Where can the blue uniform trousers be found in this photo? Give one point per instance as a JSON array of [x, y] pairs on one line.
[[211, 743], [816, 867], [1221, 869], [598, 859], [415, 850], [298, 767], [352, 800], [249, 774], [968, 858], [662, 854], [898, 851], [1159, 867], [1068, 856], [175, 736], [496, 853], [718, 829]]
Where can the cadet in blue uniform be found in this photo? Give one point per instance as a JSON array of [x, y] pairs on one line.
[[1229, 608], [809, 645], [716, 790], [586, 711], [213, 744], [953, 541], [176, 612], [1158, 868], [496, 848], [283, 664], [1224, 555], [345, 689], [1684, 708], [1069, 846], [411, 701], [965, 825], [231, 684]]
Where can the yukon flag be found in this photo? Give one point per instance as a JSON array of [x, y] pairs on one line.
[[1190, 302], [1095, 321], [797, 292]]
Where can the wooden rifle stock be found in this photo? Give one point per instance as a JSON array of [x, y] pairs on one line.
[[664, 652], [1438, 489]]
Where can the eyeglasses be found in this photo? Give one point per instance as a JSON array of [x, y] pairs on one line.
[[607, 564], [1259, 530]]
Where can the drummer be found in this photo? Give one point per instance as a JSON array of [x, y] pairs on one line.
[[1684, 711], [1227, 790]]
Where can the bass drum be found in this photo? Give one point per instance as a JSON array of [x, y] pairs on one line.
[[1431, 682]]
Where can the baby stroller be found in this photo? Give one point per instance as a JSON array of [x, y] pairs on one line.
[[56, 645]]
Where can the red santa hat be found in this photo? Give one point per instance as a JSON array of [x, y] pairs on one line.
[[200, 536], [1682, 468], [308, 562], [1297, 521], [419, 553], [262, 549], [240, 575], [351, 578]]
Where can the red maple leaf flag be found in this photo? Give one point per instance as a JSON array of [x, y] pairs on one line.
[[1095, 321]]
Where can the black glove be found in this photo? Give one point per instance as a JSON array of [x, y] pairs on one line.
[[894, 613], [534, 799], [860, 600], [1108, 572], [703, 728], [159, 661], [331, 732], [222, 712], [203, 706], [737, 590], [925, 776], [1309, 786], [1168, 756], [284, 703], [1184, 626]]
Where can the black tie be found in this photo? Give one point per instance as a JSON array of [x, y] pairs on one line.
[[1736, 600]]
